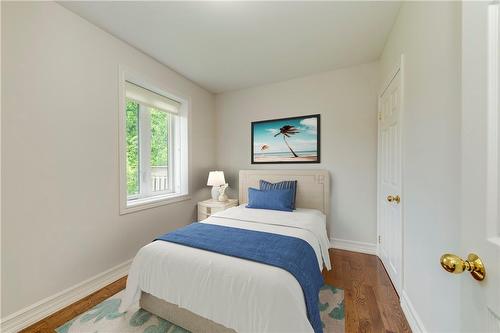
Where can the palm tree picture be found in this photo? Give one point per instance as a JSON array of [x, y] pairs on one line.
[[287, 131], [287, 140]]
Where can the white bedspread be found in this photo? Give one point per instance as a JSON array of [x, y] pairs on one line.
[[240, 294]]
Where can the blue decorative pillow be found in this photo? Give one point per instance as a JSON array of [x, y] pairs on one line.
[[286, 184], [274, 199]]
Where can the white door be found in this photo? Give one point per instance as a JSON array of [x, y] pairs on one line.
[[480, 300], [389, 176]]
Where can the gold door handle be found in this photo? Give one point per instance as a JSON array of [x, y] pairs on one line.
[[454, 264], [395, 198]]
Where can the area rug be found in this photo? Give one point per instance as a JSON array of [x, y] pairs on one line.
[[105, 318]]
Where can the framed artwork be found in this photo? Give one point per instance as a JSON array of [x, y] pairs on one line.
[[286, 140]]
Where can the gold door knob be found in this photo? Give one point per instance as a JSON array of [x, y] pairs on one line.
[[454, 264], [395, 199]]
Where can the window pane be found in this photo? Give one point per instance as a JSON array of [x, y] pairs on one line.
[[159, 150], [132, 148]]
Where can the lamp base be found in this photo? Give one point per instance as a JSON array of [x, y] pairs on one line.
[[215, 193], [222, 197]]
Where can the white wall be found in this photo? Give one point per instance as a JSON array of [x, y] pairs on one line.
[[347, 102], [428, 33], [60, 221]]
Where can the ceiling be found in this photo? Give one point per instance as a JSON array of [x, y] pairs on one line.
[[226, 46]]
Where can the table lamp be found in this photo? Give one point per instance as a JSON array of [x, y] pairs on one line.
[[216, 179]]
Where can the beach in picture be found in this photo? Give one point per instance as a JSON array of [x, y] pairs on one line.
[[287, 140]]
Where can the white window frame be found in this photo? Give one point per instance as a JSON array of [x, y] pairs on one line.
[[178, 156]]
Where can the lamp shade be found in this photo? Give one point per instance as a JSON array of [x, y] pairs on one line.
[[216, 178]]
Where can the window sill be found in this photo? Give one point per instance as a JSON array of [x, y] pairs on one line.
[[147, 203]]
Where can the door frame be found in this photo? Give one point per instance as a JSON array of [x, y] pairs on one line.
[[398, 68]]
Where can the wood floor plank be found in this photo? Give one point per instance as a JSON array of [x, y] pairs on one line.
[[376, 323], [371, 303]]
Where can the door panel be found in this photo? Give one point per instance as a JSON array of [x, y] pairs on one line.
[[493, 166], [480, 301], [390, 224]]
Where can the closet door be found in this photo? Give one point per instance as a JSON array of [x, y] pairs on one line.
[[390, 227]]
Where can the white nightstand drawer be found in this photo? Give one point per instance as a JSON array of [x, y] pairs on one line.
[[209, 207]]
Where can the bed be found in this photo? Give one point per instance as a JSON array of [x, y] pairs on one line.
[[203, 291]]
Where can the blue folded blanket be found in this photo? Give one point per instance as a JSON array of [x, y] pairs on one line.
[[289, 253]]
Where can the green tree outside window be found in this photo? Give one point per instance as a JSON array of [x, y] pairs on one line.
[[160, 122], [132, 147]]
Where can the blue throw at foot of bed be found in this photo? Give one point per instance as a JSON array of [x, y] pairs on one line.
[[289, 253]]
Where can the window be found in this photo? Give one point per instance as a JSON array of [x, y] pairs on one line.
[[153, 146]]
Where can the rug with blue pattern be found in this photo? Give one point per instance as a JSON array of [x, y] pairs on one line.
[[105, 318]]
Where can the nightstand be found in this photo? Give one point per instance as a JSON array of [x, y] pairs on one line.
[[209, 207]]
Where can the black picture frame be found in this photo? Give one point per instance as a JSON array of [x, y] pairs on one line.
[[290, 159]]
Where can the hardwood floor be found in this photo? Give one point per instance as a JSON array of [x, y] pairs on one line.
[[371, 303]]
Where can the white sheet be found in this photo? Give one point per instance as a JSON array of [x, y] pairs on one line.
[[240, 294]]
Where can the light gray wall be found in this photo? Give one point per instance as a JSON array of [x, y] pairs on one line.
[[60, 221], [428, 33], [347, 102]]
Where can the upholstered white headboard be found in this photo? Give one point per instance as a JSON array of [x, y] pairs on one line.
[[313, 186]]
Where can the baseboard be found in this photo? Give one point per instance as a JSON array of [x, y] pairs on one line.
[[411, 314], [44, 308], [349, 245]]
